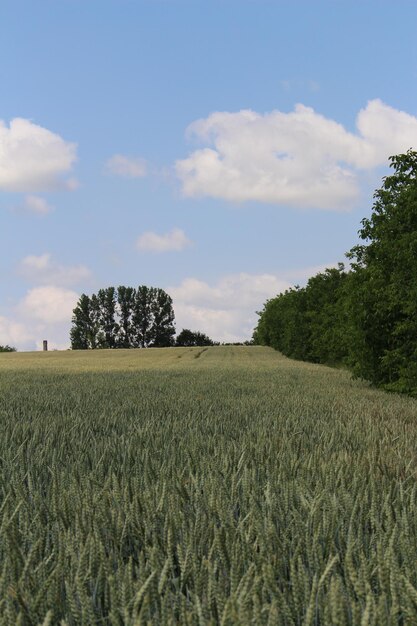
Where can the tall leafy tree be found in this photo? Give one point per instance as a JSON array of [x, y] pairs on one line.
[[126, 318], [108, 324], [365, 318], [143, 317], [385, 296], [126, 301], [326, 316], [163, 329], [283, 324], [82, 332]]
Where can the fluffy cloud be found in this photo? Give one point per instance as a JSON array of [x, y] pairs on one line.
[[13, 333], [43, 313], [33, 158], [43, 269], [226, 311], [127, 167], [300, 159], [48, 304], [174, 241]]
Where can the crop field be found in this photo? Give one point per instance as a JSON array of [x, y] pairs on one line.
[[224, 485]]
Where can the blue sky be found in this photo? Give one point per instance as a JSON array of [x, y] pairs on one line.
[[222, 150]]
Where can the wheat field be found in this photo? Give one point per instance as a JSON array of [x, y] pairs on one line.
[[224, 485]]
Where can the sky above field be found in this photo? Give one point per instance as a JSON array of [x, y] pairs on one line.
[[221, 150]]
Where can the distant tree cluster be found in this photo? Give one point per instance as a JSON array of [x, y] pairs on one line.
[[364, 318], [129, 318], [7, 349], [193, 338], [123, 318]]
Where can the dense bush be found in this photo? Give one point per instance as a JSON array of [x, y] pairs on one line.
[[309, 323], [188, 338]]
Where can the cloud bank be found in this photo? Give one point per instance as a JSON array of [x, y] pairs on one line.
[[48, 304], [300, 159], [33, 159], [45, 310], [14, 333], [43, 313], [226, 311]]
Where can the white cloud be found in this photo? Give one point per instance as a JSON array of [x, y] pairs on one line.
[[36, 263], [127, 167], [13, 333], [36, 204], [174, 241], [43, 313], [43, 269], [32, 158], [48, 304], [300, 159], [226, 311]]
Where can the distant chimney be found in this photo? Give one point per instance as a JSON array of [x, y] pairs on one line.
[[45, 345]]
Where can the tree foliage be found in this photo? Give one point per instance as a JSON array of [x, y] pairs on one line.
[[7, 348], [386, 281], [308, 323], [193, 338], [123, 318], [365, 318]]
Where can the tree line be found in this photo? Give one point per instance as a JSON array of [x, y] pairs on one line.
[[123, 318], [129, 317], [363, 317]]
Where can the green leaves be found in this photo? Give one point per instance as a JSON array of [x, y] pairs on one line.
[[308, 323], [188, 338], [365, 318], [123, 318], [388, 327]]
